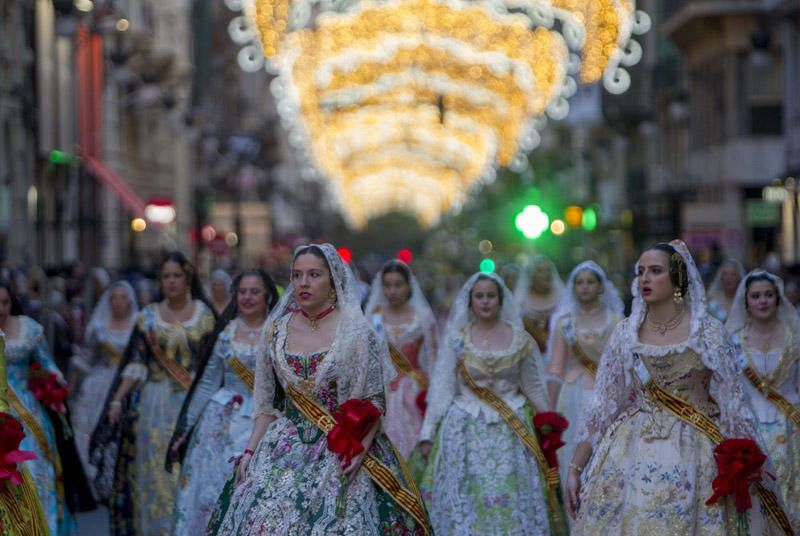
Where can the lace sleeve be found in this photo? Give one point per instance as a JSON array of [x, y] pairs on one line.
[[208, 384], [264, 386], [612, 389], [558, 352], [429, 349], [736, 417], [531, 379], [443, 386]]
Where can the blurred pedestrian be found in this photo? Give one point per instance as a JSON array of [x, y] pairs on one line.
[[723, 288], [219, 287], [539, 288]]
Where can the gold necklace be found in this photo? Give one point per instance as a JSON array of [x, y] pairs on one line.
[[663, 327], [766, 342]]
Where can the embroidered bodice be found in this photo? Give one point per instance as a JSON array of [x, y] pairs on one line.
[[510, 373], [592, 341], [179, 341], [28, 346], [305, 367], [105, 338], [782, 371], [684, 375]]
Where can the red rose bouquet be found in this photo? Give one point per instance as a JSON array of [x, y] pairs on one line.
[[47, 389], [354, 420], [739, 464], [11, 434], [421, 401], [549, 427]]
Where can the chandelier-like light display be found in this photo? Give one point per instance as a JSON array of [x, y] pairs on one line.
[[406, 104]]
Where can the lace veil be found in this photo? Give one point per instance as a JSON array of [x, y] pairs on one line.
[[357, 357], [377, 299], [715, 288], [523, 285], [617, 387], [101, 315], [568, 303], [786, 312]]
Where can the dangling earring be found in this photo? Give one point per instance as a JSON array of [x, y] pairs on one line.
[[677, 296], [332, 296]]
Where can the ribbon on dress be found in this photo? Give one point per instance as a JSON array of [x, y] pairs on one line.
[[409, 500], [705, 424], [765, 387], [242, 372], [175, 369], [577, 350], [403, 364], [528, 439]]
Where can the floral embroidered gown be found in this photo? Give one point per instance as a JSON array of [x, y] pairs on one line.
[[27, 348], [577, 384], [142, 493], [220, 411], [404, 416], [781, 369], [650, 472], [481, 479], [293, 480], [106, 347]]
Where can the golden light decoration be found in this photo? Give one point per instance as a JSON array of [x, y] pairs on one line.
[[407, 104]]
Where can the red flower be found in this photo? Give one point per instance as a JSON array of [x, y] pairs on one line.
[[739, 464], [549, 427], [237, 400], [47, 389], [354, 420], [421, 401], [11, 434]]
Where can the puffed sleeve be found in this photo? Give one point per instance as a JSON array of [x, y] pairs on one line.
[[208, 384], [264, 387], [442, 387], [531, 377], [41, 352]]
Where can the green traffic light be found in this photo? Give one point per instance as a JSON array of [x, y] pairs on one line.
[[532, 222], [589, 220], [487, 266], [60, 158]]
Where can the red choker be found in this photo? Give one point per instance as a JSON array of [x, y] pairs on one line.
[[313, 319]]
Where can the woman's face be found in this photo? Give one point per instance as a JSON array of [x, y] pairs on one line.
[[541, 279], [5, 305], [729, 278], [655, 286], [219, 291], [762, 300], [587, 287], [485, 300], [395, 288], [119, 302], [311, 280], [252, 297], [173, 280]]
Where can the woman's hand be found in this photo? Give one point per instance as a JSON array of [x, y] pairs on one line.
[[573, 492], [176, 447], [241, 468], [114, 411]]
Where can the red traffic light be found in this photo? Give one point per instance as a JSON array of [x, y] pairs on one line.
[[345, 254]]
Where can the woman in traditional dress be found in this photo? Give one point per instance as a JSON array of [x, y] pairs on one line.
[[219, 290], [26, 349], [482, 479], [324, 356], [723, 288], [21, 511], [580, 327], [106, 338], [401, 314], [537, 292], [766, 330], [144, 401], [216, 419], [667, 391]]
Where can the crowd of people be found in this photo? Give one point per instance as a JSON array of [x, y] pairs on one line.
[[336, 407]]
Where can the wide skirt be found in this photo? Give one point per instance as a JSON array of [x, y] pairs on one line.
[[482, 480], [783, 443], [651, 473]]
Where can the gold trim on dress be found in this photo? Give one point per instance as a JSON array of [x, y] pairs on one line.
[[403, 364], [112, 352], [175, 369], [243, 372], [409, 500], [765, 387], [528, 439], [705, 424]]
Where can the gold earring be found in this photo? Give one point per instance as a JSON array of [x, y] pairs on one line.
[[332, 296], [677, 296]]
